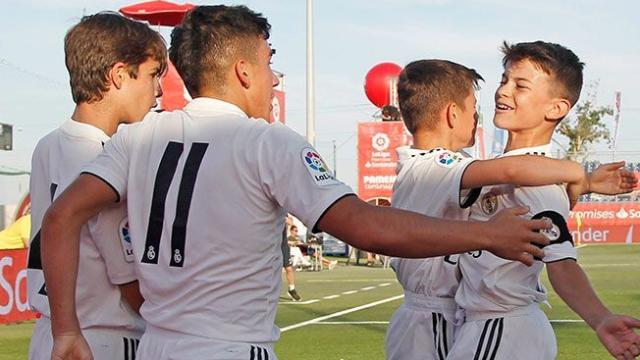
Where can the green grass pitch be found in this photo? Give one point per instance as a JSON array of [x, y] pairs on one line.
[[348, 318]]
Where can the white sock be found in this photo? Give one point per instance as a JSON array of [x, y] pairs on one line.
[[292, 287]]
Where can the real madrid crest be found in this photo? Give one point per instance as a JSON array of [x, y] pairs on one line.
[[489, 203]]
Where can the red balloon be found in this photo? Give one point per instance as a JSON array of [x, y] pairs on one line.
[[377, 83]]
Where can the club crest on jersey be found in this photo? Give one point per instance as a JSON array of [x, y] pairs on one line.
[[489, 203], [151, 253], [553, 233], [177, 257], [125, 240], [447, 158], [317, 168]]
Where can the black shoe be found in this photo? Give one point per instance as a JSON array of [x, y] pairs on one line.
[[293, 294]]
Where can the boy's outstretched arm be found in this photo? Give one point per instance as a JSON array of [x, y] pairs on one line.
[[607, 179], [525, 170], [408, 234], [614, 331]]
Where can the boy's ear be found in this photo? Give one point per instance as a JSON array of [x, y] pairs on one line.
[[117, 74], [243, 73], [558, 109], [451, 114]]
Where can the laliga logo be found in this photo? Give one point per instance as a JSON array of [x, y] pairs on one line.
[[380, 141], [315, 162], [622, 214]]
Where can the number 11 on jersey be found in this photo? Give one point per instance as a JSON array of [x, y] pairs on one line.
[[164, 178]]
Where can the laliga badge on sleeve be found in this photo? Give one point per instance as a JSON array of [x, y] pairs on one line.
[[317, 168], [125, 240], [447, 159]]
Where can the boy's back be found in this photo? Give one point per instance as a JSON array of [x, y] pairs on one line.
[[105, 264], [209, 196]]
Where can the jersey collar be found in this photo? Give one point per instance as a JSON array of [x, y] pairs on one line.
[[407, 152], [210, 106], [83, 130], [544, 150]]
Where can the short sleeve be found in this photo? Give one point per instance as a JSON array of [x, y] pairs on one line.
[[561, 242], [294, 175], [450, 167], [110, 229], [112, 165]]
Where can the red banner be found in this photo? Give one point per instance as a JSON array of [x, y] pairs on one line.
[[377, 157], [13, 287], [607, 222]]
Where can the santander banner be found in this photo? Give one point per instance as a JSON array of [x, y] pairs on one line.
[[377, 157], [13, 287], [606, 222]]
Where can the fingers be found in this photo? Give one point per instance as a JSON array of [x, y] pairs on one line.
[[631, 322], [539, 224], [634, 350], [613, 166], [517, 211], [534, 251], [526, 259]]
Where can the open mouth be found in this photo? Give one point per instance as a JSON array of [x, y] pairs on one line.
[[503, 107]]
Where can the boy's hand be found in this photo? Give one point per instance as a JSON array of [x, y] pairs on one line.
[[617, 335], [70, 347], [611, 179], [515, 238], [607, 179]]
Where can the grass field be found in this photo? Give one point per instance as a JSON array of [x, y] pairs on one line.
[[344, 312]]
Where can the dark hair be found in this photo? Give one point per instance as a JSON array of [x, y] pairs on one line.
[[426, 86], [210, 39], [556, 60], [100, 41]]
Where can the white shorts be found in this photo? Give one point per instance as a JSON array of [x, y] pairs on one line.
[[105, 344], [159, 344], [525, 334], [421, 329]]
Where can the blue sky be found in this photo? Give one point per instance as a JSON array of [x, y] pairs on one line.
[[350, 37]]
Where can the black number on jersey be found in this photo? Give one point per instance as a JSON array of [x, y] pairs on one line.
[[35, 260], [164, 178]]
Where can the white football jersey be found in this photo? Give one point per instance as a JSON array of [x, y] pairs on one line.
[[492, 284], [428, 183], [106, 259], [207, 190]]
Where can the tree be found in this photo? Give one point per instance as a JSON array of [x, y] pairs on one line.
[[587, 127]]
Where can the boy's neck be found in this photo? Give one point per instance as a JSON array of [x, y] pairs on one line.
[[525, 139], [97, 114], [432, 140]]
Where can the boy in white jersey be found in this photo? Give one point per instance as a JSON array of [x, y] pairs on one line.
[[114, 65], [540, 84], [208, 189], [438, 105]]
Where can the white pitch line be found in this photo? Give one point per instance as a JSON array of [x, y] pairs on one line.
[[353, 323], [386, 322], [331, 297], [349, 292], [581, 246], [367, 288], [306, 302], [340, 313], [384, 284]]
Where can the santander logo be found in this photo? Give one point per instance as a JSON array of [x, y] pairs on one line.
[[622, 214]]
